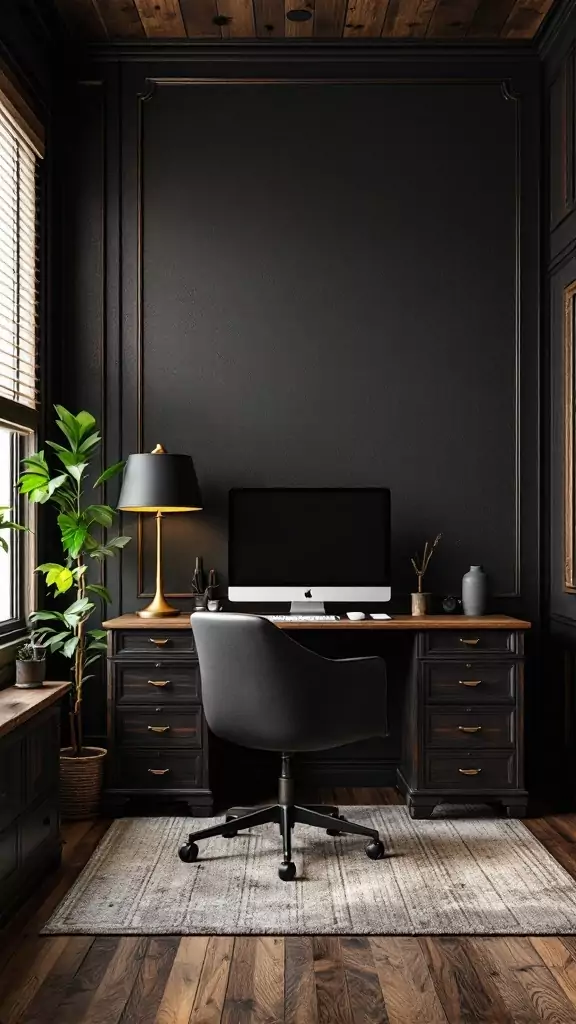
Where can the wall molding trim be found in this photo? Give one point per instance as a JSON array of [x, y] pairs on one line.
[[564, 622], [563, 257], [297, 51], [553, 27], [568, 419], [149, 89]]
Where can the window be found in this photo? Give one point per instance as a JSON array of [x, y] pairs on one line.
[[13, 597], [19, 172], [18, 267]]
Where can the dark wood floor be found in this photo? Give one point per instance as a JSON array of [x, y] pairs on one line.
[[323, 980]]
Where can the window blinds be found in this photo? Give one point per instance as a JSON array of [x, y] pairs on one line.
[[18, 264]]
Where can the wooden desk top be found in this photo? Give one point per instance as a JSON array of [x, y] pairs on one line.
[[417, 622], [17, 706], [406, 622]]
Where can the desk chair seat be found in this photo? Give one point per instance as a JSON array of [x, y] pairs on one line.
[[262, 690]]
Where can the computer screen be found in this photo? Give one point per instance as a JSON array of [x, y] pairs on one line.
[[324, 537]]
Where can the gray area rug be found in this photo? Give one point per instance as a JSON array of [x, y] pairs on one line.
[[470, 876]]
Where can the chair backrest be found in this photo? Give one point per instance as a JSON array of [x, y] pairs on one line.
[[261, 689]]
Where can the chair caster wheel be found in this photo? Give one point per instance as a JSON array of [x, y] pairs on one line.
[[375, 849], [188, 853], [231, 832], [287, 871], [335, 831]]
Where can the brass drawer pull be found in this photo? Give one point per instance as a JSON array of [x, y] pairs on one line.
[[471, 643], [469, 682], [158, 771], [469, 771], [158, 682], [161, 728], [159, 643], [462, 728]]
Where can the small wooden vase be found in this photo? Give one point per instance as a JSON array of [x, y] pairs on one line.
[[420, 604]]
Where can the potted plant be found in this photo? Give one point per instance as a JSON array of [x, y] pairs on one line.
[[420, 565], [30, 664], [66, 630]]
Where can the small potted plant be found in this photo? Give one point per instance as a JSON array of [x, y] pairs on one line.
[[30, 665], [420, 565], [65, 630]]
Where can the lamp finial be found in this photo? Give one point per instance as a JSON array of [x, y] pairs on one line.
[[159, 450]]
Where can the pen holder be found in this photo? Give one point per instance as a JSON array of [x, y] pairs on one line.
[[420, 604]]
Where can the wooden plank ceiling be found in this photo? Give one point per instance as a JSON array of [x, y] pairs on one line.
[[475, 20]]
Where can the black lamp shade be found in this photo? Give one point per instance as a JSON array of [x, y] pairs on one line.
[[160, 483]]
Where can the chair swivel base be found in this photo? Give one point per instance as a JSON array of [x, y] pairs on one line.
[[286, 815]]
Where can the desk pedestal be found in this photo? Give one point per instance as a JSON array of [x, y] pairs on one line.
[[463, 721]]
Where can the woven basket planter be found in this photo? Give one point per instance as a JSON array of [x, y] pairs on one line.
[[81, 782]]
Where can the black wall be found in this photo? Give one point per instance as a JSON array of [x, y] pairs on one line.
[[328, 276], [559, 258]]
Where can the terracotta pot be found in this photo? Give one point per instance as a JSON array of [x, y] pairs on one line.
[[30, 674], [81, 782], [420, 604]]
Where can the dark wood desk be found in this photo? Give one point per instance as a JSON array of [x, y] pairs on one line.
[[462, 719], [463, 715], [416, 623], [29, 764], [413, 623]]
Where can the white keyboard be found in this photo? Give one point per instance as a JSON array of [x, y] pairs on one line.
[[303, 618]]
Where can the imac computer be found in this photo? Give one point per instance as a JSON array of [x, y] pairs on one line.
[[309, 545]]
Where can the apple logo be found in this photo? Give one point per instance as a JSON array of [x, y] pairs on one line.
[[307, 593]]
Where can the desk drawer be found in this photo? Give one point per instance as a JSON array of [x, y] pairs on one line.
[[157, 683], [158, 770], [39, 825], [469, 682], [154, 641], [8, 853], [485, 770], [159, 727], [470, 728], [41, 747], [11, 780], [473, 642]]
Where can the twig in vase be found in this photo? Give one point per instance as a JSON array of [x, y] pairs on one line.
[[420, 565]]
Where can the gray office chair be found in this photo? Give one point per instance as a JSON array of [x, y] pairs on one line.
[[263, 690]]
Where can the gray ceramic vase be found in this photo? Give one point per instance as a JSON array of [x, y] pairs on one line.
[[474, 591]]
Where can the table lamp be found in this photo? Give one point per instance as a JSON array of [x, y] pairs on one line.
[[160, 483]]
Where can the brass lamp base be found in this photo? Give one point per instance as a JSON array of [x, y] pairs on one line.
[[158, 607]]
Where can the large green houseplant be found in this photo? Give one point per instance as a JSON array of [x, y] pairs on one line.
[[81, 524]]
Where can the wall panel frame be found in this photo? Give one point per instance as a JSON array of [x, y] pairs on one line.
[[131, 85]]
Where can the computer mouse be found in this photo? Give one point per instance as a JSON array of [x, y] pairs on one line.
[[355, 616]]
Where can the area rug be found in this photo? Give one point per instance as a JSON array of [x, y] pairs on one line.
[[487, 876]]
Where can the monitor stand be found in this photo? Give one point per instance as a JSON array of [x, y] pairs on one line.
[[307, 608]]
